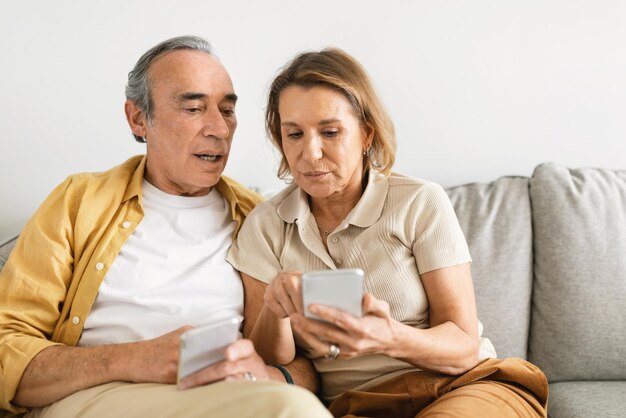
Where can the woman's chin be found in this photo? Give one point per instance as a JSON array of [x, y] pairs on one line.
[[317, 192]]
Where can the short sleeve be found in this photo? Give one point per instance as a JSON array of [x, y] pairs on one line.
[[258, 246], [438, 240]]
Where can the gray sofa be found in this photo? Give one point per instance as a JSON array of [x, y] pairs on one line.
[[549, 271]]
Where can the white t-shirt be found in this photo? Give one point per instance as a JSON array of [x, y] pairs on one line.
[[170, 272]]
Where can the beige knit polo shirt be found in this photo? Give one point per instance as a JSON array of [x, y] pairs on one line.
[[400, 228]]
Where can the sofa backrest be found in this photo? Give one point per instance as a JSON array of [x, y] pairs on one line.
[[5, 250], [496, 220], [578, 323]]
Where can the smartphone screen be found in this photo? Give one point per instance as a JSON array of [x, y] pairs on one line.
[[204, 345], [341, 289]]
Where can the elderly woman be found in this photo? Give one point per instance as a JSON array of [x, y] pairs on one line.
[[417, 349]]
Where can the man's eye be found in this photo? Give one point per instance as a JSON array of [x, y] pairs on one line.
[[228, 112], [193, 109]]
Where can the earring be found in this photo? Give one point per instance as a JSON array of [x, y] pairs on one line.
[[366, 152]]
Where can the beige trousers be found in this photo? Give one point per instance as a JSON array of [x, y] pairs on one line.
[[238, 399]]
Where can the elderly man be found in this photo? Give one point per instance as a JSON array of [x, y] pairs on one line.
[[115, 266]]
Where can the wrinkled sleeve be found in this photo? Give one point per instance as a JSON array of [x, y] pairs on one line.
[[438, 240], [33, 286], [259, 244]]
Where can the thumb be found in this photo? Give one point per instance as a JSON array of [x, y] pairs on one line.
[[239, 350], [376, 307]]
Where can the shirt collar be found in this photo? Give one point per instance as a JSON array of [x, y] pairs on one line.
[[366, 212], [135, 185], [137, 164]]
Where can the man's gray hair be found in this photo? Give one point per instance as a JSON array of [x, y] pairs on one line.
[[138, 87]]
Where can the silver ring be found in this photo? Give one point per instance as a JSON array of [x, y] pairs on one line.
[[249, 376], [333, 351]]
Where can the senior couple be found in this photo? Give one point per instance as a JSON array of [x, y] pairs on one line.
[[115, 266]]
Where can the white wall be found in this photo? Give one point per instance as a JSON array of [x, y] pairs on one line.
[[478, 89]]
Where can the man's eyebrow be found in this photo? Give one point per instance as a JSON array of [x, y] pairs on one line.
[[190, 96], [231, 97]]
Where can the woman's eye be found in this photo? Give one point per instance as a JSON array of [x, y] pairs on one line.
[[330, 134], [294, 135]]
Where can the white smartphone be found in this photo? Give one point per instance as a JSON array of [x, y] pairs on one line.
[[341, 289], [204, 345]]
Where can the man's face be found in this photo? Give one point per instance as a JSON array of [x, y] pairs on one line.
[[191, 131]]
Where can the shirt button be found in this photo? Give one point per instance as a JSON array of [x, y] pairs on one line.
[[75, 320], [99, 266], [125, 224], [338, 262], [335, 239]]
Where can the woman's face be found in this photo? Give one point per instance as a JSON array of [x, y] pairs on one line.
[[323, 141]]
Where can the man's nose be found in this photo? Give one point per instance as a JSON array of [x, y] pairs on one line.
[[215, 125]]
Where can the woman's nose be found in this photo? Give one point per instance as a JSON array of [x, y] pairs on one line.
[[313, 148]]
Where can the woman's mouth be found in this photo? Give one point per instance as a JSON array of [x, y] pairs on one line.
[[314, 175]]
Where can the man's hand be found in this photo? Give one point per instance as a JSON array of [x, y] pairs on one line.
[[155, 360], [241, 362], [59, 371]]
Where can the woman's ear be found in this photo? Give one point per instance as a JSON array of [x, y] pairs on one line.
[[368, 136], [136, 119]]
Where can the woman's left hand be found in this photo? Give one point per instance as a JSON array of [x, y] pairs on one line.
[[374, 333]]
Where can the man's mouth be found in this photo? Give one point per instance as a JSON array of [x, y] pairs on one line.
[[209, 157]]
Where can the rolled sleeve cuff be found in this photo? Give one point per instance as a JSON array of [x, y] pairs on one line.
[[15, 355]]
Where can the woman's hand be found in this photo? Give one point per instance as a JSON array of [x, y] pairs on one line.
[[283, 296], [374, 333]]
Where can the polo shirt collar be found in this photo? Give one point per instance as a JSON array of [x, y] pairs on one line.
[[294, 206], [366, 212], [370, 207]]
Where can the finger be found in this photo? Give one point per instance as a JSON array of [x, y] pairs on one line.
[[312, 342], [293, 287], [318, 334], [220, 370], [337, 317], [374, 306], [239, 350], [213, 373], [278, 297]]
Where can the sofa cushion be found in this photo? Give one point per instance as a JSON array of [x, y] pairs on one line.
[[495, 218], [5, 250], [578, 324], [587, 399]]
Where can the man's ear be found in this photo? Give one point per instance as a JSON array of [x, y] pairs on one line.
[[136, 119]]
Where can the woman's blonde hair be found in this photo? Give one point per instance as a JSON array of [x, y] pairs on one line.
[[335, 69]]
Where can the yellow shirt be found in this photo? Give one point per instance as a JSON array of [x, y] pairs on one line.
[[400, 228], [51, 280]]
